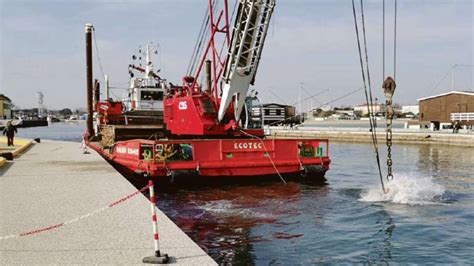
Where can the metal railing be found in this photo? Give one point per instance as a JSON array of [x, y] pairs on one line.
[[462, 116]]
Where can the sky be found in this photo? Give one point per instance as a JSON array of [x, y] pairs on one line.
[[310, 44]]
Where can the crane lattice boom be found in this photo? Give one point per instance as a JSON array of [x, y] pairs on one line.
[[250, 29]]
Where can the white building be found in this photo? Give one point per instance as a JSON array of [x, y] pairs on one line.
[[362, 108], [415, 109]]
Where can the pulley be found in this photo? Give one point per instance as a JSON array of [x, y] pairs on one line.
[[389, 89]]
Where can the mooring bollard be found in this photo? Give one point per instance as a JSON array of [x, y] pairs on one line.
[[158, 258]]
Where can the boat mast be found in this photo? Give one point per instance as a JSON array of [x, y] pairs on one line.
[[88, 32], [149, 65]]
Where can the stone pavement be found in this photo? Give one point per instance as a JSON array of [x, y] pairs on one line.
[[53, 182]]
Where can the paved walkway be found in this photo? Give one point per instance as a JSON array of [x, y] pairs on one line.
[[53, 182]]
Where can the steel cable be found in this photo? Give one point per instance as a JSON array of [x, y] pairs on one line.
[[374, 137], [326, 103], [395, 44], [383, 40], [266, 150], [97, 52], [204, 23]]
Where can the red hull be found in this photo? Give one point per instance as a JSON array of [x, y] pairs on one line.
[[219, 157]]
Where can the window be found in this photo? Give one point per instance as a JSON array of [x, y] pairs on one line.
[[278, 112], [151, 96], [267, 112]]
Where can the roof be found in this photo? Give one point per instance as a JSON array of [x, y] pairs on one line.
[[365, 104], [275, 104], [2, 96], [469, 93]]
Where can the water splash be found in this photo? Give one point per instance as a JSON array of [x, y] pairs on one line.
[[407, 189]]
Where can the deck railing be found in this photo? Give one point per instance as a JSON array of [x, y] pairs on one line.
[[462, 116]]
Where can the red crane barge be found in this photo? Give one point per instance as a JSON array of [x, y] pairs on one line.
[[212, 130]]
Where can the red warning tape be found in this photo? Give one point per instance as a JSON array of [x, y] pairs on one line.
[[52, 227]]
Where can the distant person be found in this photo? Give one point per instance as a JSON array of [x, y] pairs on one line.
[[456, 127], [9, 131]]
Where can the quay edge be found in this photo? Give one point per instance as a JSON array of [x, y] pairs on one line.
[[54, 182], [465, 140]]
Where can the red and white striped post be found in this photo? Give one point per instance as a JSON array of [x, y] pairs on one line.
[[158, 258]]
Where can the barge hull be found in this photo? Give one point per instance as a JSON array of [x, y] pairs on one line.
[[219, 157]]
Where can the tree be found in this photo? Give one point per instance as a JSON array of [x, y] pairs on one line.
[[65, 112]]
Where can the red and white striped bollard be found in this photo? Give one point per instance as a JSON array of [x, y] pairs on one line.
[[158, 258]]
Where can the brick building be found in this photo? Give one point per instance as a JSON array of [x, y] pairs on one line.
[[447, 107]]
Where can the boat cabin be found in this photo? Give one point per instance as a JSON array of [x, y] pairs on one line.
[[146, 94]]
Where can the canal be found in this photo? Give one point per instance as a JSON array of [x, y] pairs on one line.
[[427, 216]]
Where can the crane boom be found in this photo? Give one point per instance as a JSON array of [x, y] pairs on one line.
[[250, 29]]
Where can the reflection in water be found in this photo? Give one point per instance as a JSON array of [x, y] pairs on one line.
[[429, 159], [445, 160], [380, 246], [221, 219], [308, 224], [271, 223]]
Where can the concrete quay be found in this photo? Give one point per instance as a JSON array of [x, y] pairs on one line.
[[355, 135], [52, 200], [20, 146]]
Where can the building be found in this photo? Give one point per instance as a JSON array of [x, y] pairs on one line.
[[274, 113], [447, 107], [5, 107], [362, 108], [414, 109]]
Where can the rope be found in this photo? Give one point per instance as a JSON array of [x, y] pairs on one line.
[[389, 89], [395, 44], [367, 64], [441, 80], [371, 104], [201, 38], [97, 52], [311, 96], [76, 219], [204, 23], [371, 118], [329, 102], [383, 39], [374, 123], [269, 157]]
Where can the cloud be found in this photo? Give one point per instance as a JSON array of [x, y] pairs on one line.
[[42, 44]]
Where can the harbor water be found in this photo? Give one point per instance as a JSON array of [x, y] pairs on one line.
[[427, 216]]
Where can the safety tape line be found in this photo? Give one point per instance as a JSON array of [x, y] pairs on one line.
[[87, 215]]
